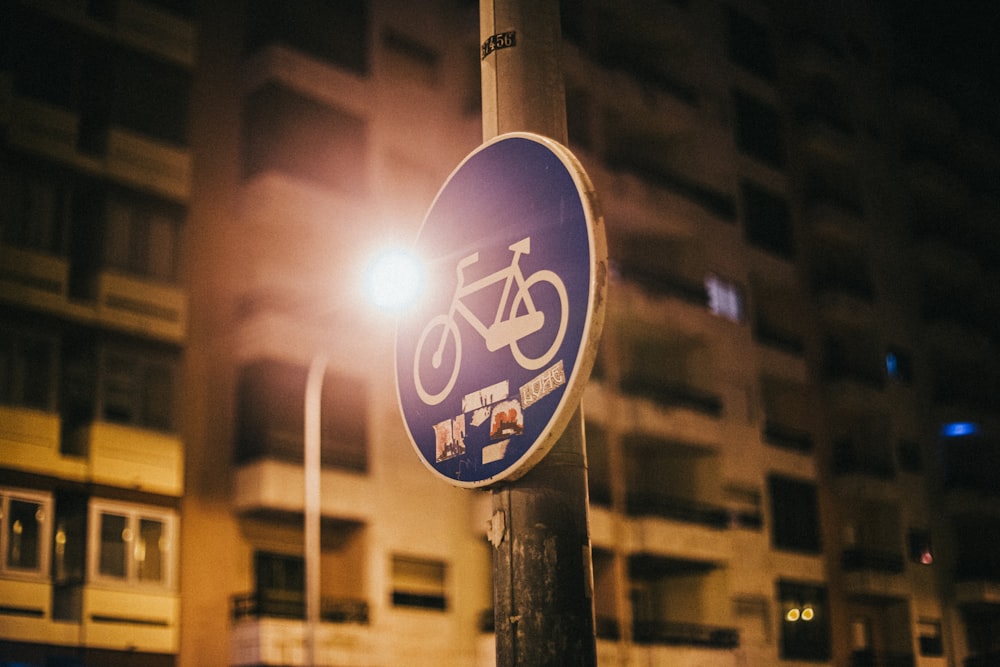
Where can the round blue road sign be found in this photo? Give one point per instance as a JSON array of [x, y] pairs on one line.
[[493, 360]]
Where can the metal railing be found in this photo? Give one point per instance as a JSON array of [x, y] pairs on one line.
[[332, 610]]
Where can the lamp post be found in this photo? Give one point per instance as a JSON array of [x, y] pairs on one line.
[[311, 500], [392, 280]]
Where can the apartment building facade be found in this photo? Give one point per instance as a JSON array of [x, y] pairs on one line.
[[791, 429]]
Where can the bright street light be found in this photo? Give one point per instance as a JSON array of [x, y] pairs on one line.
[[394, 279]]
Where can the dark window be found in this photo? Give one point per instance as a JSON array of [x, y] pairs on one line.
[[929, 636], [43, 59], [303, 138], [767, 220], [794, 515], [137, 390], [898, 365], [805, 622], [750, 45], [271, 422], [758, 130], [333, 30], [281, 584], [34, 210], [27, 367], [152, 97], [141, 237]]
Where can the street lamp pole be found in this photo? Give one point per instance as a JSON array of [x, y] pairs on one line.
[[311, 501]]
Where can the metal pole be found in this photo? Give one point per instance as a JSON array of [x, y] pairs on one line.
[[311, 501], [542, 573]]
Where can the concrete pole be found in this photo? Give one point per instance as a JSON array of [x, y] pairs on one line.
[[542, 569]]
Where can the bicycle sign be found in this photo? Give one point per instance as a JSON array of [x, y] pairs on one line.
[[491, 364]]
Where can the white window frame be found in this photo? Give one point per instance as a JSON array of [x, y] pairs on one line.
[[44, 533], [133, 515]]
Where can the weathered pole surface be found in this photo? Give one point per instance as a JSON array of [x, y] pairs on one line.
[[542, 570]]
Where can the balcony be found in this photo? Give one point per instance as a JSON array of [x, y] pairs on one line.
[[33, 278], [685, 634], [130, 621], [30, 442], [147, 27], [271, 604], [874, 659], [787, 437], [677, 509], [137, 304], [134, 458], [673, 395], [977, 591], [147, 163], [873, 573], [262, 634]]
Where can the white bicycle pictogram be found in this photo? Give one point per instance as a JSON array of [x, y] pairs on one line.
[[516, 318]]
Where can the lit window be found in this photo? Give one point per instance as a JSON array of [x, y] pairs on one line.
[[805, 629], [959, 429], [724, 298], [418, 582], [131, 544], [920, 547], [24, 516]]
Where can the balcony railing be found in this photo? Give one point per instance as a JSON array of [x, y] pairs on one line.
[[678, 509], [870, 560], [873, 659], [683, 396], [787, 437], [263, 605], [685, 634]]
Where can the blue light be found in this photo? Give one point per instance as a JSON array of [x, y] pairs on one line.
[[958, 429]]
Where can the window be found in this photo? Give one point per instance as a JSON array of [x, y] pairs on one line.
[[25, 518], [141, 238], [131, 545], [159, 111], [269, 414], [333, 31], [137, 390], [34, 211], [794, 515], [767, 220], [281, 584], [805, 625], [929, 637], [27, 367], [758, 130], [750, 45], [898, 366], [418, 582], [919, 546], [725, 299]]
